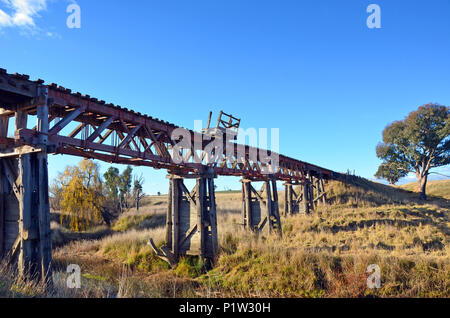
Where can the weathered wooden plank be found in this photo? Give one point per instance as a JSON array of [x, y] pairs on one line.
[[21, 121], [169, 221], [176, 219], [276, 209], [45, 240], [305, 189], [268, 208], [244, 207], [287, 200], [194, 243], [12, 210], [186, 222], [248, 204], [324, 197], [2, 213], [200, 211], [41, 179], [18, 151], [213, 218], [26, 206], [11, 234]]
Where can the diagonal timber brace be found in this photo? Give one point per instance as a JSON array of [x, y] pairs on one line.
[[260, 210], [310, 193]]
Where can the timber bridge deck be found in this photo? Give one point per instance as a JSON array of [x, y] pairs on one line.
[[74, 124]]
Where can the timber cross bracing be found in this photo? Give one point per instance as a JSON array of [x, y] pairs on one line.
[[114, 134], [75, 124]]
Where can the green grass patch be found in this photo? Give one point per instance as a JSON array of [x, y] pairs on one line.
[[128, 222]]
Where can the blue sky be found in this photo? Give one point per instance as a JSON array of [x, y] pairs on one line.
[[311, 68]]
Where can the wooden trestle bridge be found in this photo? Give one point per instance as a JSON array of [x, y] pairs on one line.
[[74, 124]]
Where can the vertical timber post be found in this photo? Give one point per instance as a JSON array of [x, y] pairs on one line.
[[247, 220], [288, 199], [4, 121], [276, 209], [305, 190], [213, 218], [26, 232], [324, 194], [200, 205], [268, 207], [169, 220], [2, 213], [34, 236], [45, 242], [311, 191], [176, 216], [243, 206]]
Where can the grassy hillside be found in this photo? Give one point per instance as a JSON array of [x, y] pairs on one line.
[[439, 188], [325, 254]]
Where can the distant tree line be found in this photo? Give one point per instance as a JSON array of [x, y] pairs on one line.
[[85, 198]]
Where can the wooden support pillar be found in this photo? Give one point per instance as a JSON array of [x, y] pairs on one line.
[[276, 209], [28, 227], [311, 192], [169, 220], [45, 238], [43, 204], [2, 212], [244, 207], [200, 206], [268, 209], [318, 192], [213, 217], [3, 133], [324, 195], [176, 189], [261, 209], [34, 227], [24, 202], [288, 199], [191, 220], [248, 215], [306, 194]]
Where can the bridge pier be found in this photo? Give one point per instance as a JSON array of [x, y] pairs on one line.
[[25, 236], [298, 202], [311, 193], [321, 195], [292, 200], [191, 227], [260, 209]]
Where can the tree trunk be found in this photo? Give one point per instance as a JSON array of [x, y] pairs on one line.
[[423, 187]]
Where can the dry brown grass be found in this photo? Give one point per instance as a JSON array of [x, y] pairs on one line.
[[325, 254]]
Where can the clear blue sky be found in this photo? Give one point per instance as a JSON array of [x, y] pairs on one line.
[[311, 68]]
